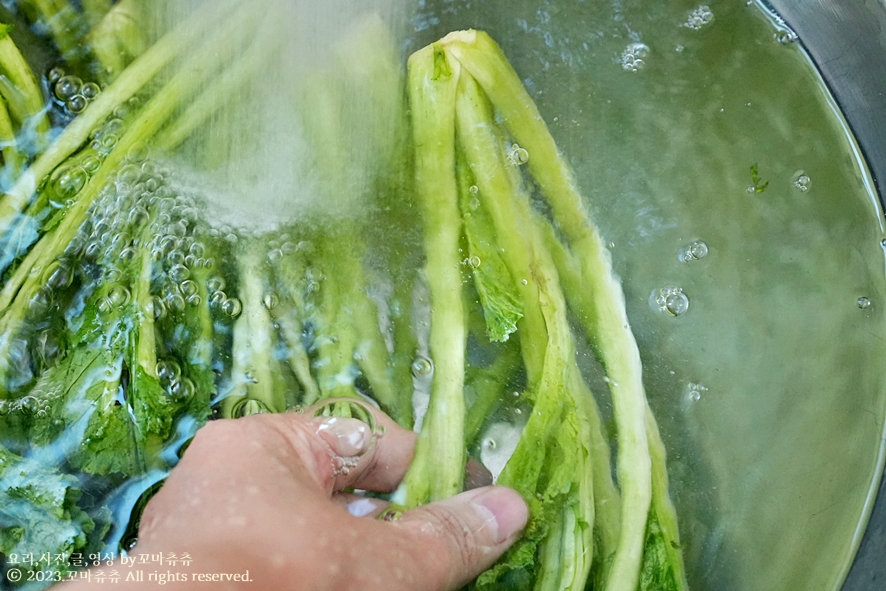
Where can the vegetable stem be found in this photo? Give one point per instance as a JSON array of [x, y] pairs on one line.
[[437, 470], [485, 61]]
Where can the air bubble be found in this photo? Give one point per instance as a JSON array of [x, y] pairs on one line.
[[694, 391], [179, 273], [122, 112], [632, 57], [179, 228], [91, 163], [90, 90], [175, 302], [670, 300], [189, 288], [158, 308], [77, 104], [69, 181], [518, 156], [232, 307], [55, 75], [474, 262], [270, 300], [129, 174], [59, 275], [127, 254], [802, 181], [864, 303], [699, 17], [29, 404], [181, 389], [108, 142], [197, 250], [168, 371], [194, 300], [694, 251], [786, 36], [217, 299], [138, 153], [104, 306], [422, 367], [474, 189], [176, 257], [92, 250], [215, 284], [67, 87], [118, 296], [489, 444]]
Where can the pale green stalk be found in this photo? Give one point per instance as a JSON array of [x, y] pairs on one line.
[[25, 90], [568, 557], [119, 37], [144, 310], [13, 159], [131, 81], [252, 374], [437, 470], [290, 314], [291, 327], [568, 267], [485, 61], [335, 334]]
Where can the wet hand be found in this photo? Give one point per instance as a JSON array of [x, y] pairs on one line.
[[266, 494]]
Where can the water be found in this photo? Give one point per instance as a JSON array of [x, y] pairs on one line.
[[693, 130], [772, 465]]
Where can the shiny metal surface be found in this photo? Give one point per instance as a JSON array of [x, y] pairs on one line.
[[847, 40]]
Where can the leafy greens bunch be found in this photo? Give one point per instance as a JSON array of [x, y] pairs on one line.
[[475, 131], [128, 318]]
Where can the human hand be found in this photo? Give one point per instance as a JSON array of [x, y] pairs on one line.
[[264, 494]]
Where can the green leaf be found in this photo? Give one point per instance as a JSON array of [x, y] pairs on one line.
[[656, 572], [150, 405], [109, 442], [759, 186], [502, 307], [38, 511]]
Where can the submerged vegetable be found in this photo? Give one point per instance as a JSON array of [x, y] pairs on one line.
[[128, 317]]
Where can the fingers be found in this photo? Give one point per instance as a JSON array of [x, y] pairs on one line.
[[381, 462], [444, 545], [333, 453]]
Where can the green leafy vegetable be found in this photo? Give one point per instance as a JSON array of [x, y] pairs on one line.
[[441, 269]]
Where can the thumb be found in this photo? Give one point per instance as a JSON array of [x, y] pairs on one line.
[[446, 544]]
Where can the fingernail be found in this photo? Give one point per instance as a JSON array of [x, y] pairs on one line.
[[347, 437], [503, 509]]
